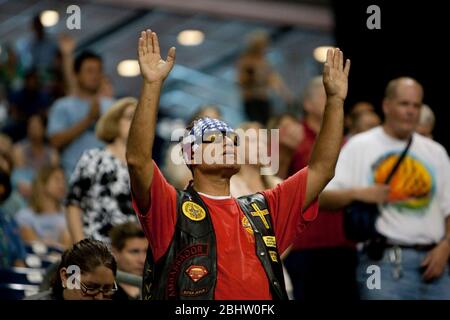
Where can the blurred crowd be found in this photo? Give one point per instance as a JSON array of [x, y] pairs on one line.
[[64, 185]]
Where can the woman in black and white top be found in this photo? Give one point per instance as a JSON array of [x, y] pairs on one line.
[[99, 192]]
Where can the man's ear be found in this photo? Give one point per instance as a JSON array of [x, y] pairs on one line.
[[63, 276]]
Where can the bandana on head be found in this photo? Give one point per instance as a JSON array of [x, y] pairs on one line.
[[193, 138]]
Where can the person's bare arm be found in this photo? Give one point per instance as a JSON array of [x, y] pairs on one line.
[[338, 199], [62, 138], [65, 239], [436, 260], [328, 143], [75, 223], [142, 131], [27, 234], [67, 46]]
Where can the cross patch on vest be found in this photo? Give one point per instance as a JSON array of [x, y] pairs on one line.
[[261, 214]]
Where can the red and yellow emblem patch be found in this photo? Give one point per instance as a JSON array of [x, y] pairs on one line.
[[246, 224], [196, 273]]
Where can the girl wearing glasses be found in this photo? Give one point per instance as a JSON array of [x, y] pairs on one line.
[[87, 272]]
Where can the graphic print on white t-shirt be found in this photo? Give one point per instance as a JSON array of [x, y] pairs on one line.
[[413, 184]]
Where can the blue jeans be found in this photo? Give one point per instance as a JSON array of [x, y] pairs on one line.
[[401, 279]]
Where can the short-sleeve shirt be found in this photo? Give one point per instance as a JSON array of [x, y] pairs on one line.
[[100, 187], [240, 274], [46, 226], [64, 114], [418, 202]]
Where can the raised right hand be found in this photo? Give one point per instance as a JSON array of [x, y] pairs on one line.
[[153, 68]]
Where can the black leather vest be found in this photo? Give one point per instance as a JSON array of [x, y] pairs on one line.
[[188, 269]]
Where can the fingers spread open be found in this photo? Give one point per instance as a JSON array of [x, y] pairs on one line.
[[341, 60], [347, 67], [155, 43], [148, 36], [336, 58], [330, 58], [326, 70], [171, 55], [141, 46]]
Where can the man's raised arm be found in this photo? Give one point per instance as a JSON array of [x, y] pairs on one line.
[[154, 71], [328, 144]]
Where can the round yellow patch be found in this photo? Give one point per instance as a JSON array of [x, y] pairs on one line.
[[193, 211]]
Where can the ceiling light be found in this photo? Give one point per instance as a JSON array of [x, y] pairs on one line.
[[49, 18], [320, 53], [128, 68], [190, 37]]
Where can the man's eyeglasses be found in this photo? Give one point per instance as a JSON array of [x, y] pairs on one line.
[[92, 292], [217, 136]]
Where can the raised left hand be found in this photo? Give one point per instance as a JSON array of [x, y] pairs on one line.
[[335, 74]]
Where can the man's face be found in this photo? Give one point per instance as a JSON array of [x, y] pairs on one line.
[[90, 75], [402, 111], [131, 258], [218, 154]]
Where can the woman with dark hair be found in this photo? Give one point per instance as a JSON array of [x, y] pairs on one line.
[[87, 272]]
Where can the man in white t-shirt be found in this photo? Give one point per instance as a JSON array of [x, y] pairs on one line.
[[415, 206]]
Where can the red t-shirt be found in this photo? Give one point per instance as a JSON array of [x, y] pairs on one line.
[[240, 274]]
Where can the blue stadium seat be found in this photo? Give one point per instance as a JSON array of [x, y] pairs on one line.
[[14, 291], [21, 276]]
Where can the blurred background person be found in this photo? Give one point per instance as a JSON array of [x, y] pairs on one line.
[[129, 247], [39, 50], [30, 155], [72, 119], [96, 280], [323, 244], [364, 121], [12, 72], [290, 135], [257, 79], [16, 200], [314, 98], [99, 192], [24, 103], [249, 179], [362, 117], [358, 107], [12, 248], [44, 220], [34, 152], [412, 248], [426, 121]]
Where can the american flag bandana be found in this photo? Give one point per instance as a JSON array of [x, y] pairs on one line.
[[193, 138]]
